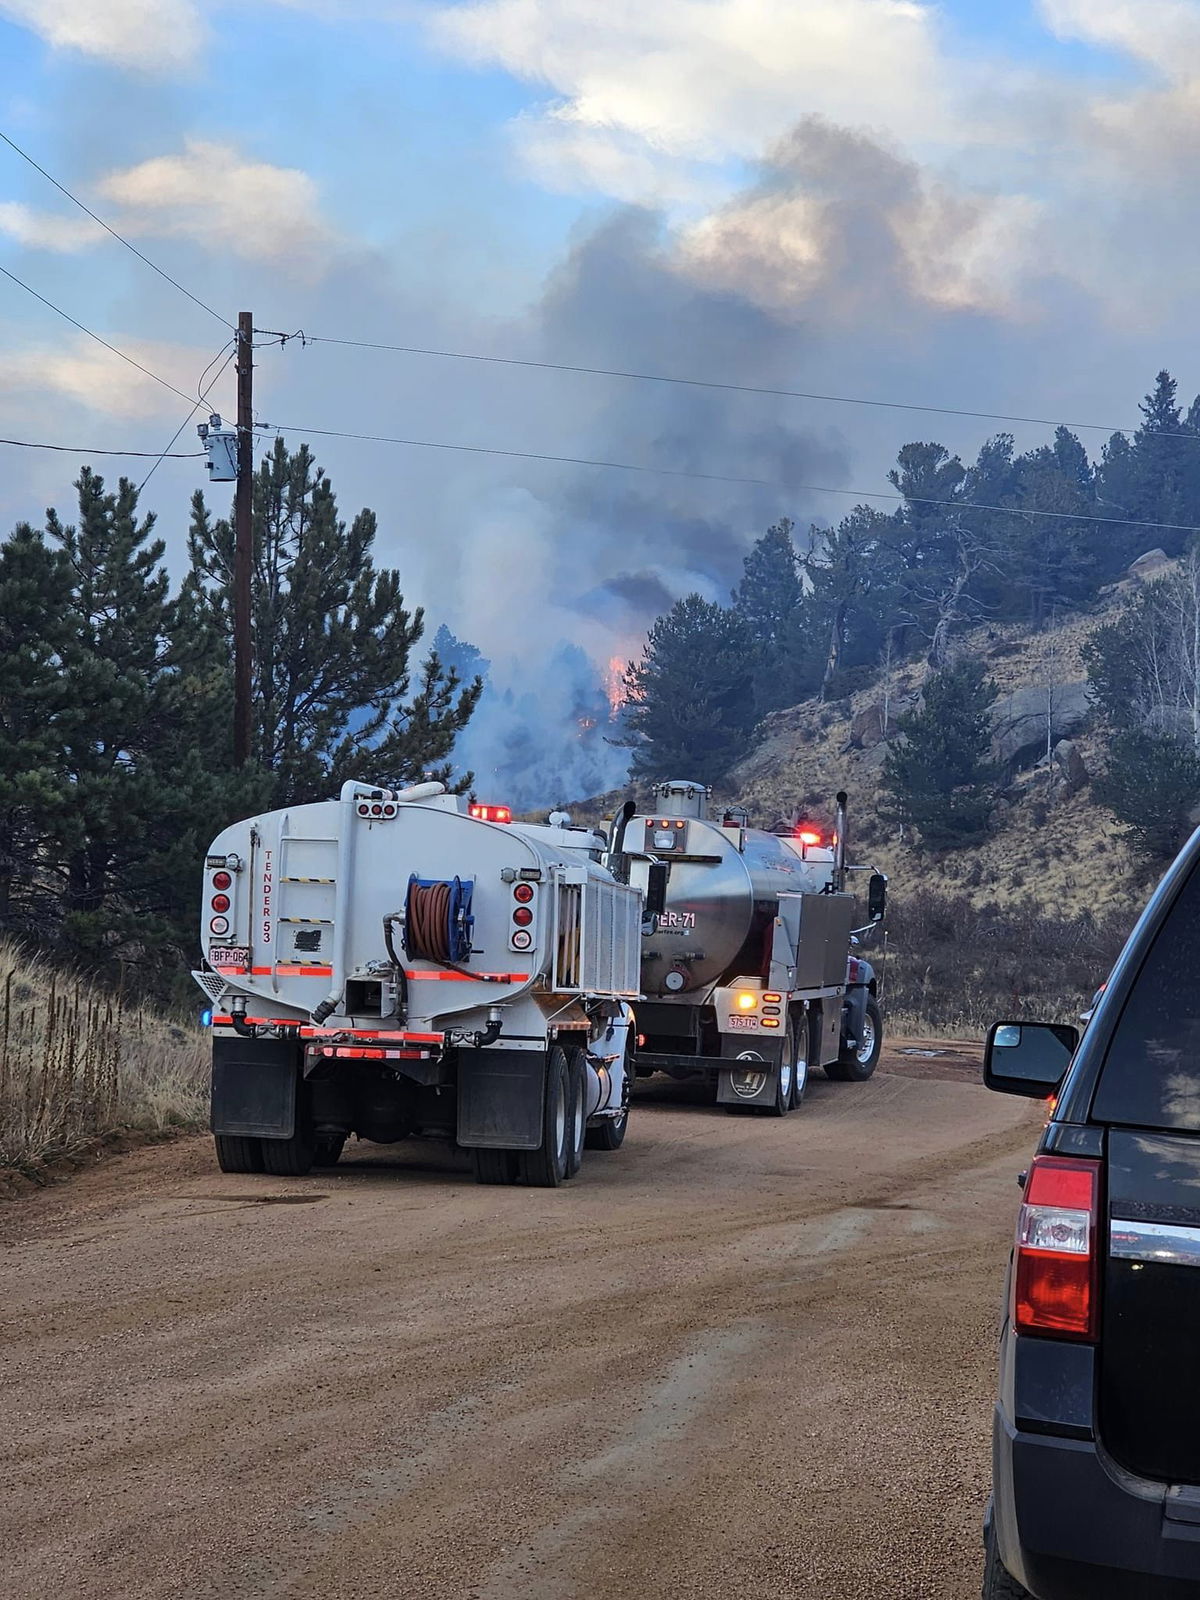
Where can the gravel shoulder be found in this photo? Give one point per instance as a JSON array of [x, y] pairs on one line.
[[741, 1357]]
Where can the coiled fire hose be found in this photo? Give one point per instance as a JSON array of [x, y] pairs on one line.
[[433, 928], [428, 927]]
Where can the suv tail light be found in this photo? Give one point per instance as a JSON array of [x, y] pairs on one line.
[[1055, 1268]]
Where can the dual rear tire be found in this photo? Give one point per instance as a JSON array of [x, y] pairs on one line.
[[564, 1119]]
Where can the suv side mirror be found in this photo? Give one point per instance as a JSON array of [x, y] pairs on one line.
[[657, 874], [1028, 1058], [876, 896]]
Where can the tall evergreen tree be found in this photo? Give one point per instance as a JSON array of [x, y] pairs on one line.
[[768, 599], [334, 692], [1152, 785], [141, 725], [937, 774], [691, 701], [35, 636]]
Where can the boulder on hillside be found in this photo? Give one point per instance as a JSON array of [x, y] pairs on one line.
[[1024, 721], [1070, 765], [1150, 565], [866, 728]]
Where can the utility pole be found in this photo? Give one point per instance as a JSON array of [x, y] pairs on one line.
[[243, 552]]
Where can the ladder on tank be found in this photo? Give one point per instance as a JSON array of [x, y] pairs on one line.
[[289, 885]]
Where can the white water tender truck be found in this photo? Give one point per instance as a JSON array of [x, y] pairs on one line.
[[399, 964]]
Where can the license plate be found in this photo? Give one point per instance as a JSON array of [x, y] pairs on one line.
[[228, 955], [749, 1023]]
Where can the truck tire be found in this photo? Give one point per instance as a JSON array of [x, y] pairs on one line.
[[577, 1114], [609, 1134], [289, 1158], [546, 1167], [798, 1045], [494, 1166], [236, 1154], [998, 1582], [783, 1083], [856, 1065], [327, 1149]]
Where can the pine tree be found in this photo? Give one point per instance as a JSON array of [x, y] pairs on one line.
[[937, 774], [768, 599], [333, 642], [850, 572], [691, 701], [35, 634], [1153, 477], [1054, 561], [1153, 786], [144, 744]]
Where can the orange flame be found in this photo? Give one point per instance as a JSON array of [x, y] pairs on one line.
[[614, 683]]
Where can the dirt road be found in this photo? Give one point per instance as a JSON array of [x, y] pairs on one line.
[[741, 1358]]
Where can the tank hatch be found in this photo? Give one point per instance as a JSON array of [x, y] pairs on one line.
[[679, 797]]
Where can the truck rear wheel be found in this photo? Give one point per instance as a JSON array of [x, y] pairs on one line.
[[236, 1154], [289, 1158], [327, 1149], [494, 1166], [798, 1046], [783, 1082], [577, 1102], [547, 1166], [857, 1062]]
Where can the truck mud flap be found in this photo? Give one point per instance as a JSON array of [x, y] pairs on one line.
[[254, 1088], [501, 1094]]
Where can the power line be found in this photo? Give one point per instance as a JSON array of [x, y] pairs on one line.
[[120, 238], [83, 450], [713, 477], [112, 347], [730, 388], [521, 455]]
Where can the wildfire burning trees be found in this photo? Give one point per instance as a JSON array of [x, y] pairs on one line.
[[615, 686]]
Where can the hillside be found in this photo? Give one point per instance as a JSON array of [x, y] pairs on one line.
[[1028, 922], [1049, 845]]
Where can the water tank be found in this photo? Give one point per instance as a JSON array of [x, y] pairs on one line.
[[722, 893]]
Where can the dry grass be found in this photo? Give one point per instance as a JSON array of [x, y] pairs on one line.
[[952, 967], [76, 1064]]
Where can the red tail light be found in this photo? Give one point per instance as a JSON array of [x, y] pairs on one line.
[[1055, 1270]]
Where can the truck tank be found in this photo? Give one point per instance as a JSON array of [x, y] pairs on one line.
[[722, 891]]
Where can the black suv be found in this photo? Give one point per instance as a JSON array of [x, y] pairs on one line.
[[1096, 1458]]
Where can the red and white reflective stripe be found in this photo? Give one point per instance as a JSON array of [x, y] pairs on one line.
[[288, 970], [305, 1032], [365, 1052]]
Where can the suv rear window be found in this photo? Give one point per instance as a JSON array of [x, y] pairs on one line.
[[1151, 1074]]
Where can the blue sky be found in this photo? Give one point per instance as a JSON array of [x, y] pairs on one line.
[[967, 204]]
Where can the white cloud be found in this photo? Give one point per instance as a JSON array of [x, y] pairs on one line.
[[703, 80], [213, 195], [1165, 33], [82, 371], [41, 230], [150, 35]]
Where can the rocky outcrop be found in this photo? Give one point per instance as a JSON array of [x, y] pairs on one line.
[[1025, 721], [1151, 565], [1069, 766], [866, 728]]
